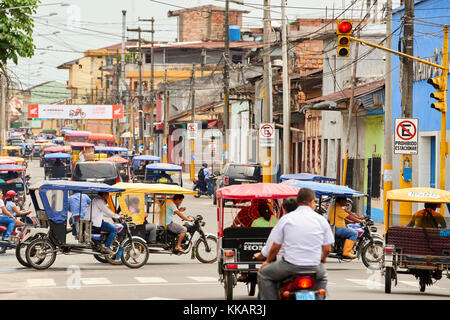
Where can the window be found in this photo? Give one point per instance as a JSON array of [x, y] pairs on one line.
[[109, 60], [55, 199], [133, 204]]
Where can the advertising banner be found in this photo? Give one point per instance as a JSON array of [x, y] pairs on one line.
[[75, 112]]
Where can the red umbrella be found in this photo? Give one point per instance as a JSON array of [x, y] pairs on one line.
[[257, 191]]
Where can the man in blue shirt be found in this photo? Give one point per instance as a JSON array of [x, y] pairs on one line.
[[208, 180], [74, 208]]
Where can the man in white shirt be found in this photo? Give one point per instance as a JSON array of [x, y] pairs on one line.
[[100, 209], [306, 239]]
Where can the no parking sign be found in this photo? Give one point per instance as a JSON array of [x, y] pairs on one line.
[[406, 141]]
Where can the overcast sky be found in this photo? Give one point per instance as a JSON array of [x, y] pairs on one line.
[[92, 24]]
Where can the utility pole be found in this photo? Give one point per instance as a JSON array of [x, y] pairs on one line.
[[192, 167], [407, 77], [226, 82], [152, 87], [123, 84], [140, 93], [350, 113], [2, 110], [267, 161], [165, 148], [387, 176], [286, 94]]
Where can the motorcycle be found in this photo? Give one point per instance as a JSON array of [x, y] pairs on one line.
[[369, 245], [301, 286], [201, 188], [204, 248]]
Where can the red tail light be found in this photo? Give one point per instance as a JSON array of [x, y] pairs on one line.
[[226, 180], [195, 182], [305, 283], [117, 180]]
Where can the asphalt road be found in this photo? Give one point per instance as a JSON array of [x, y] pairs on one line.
[[179, 277]]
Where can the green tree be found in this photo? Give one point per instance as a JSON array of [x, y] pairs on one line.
[[16, 29]]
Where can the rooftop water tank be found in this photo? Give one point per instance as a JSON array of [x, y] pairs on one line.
[[235, 33]]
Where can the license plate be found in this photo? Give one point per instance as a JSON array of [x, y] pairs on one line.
[[306, 295]]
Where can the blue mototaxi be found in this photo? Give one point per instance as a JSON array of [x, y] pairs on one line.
[[57, 166], [51, 202], [139, 164], [111, 151], [306, 177], [158, 173]]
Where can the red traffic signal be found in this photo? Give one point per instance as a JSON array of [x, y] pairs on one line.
[[345, 27]]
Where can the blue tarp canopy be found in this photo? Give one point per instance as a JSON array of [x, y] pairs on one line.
[[327, 189], [305, 177], [58, 155], [109, 149], [136, 159], [11, 167], [163, 167], [77, 186]]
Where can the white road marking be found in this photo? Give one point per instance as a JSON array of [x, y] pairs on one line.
[[41, 282], [366, 283], [150, 279], [95, 281], [204, 279]]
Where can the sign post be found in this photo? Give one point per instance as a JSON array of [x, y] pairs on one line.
[[267, 142], [192, 129]]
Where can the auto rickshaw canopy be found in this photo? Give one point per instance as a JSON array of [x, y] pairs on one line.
[[116, 159], [145, 157], [11, 167], [425, 195], [153, 188], [58, 155], [16, 160], [306, 177], [325, 189], [261, 190]]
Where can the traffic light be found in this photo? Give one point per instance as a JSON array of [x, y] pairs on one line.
[[344, 31], [439, 84]]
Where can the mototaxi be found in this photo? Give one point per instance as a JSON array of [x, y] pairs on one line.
[[57, 166], [122, 165], [163, 173], [237, 245], [51, 201], [103, 152], [132, 202], [12, 151], [10, 180], [369, 245], [418, 251], [53, 149], [138, 166]]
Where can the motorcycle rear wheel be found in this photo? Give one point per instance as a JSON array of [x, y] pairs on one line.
[[228, 284]]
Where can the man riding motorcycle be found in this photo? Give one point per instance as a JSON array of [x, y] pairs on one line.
[[306, 238], [338, 216]]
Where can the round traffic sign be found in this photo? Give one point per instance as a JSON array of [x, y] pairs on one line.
[[266, 131], [406, 130]]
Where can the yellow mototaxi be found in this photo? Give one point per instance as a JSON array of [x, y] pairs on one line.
[[133, 202], [11, 151], [419, 246]]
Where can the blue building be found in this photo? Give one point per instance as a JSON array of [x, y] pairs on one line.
[[429, 17]]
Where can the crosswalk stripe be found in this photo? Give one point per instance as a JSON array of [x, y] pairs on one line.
[[204, 279], [41, 282], [95, 281], [366, 283], [150, 279]]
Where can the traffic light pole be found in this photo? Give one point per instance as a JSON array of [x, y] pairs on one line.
[[443, 146], [444, 67]]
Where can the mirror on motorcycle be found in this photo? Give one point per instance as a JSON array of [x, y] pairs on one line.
[[217, 173]]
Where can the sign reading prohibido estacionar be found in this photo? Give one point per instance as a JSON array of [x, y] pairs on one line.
[[406, 133]]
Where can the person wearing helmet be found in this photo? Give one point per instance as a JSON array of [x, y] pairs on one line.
[[6, 218], [11, 205]]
